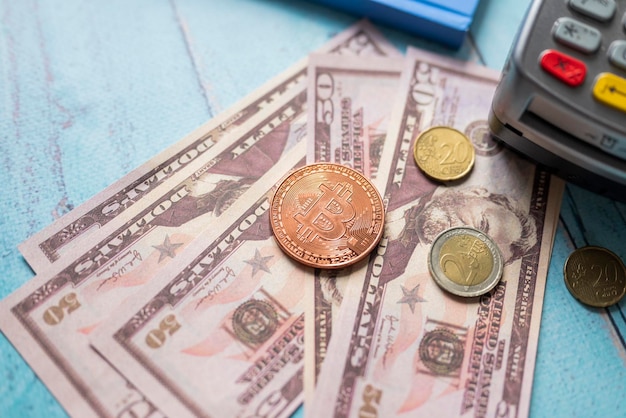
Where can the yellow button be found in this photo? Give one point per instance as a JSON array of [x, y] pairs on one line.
[[611, 90]]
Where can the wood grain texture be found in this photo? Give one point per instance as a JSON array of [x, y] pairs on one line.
[[91, 89]]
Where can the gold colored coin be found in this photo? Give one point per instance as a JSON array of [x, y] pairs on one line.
[[327, 216], [465, 262], [443, 153], [595, 276]]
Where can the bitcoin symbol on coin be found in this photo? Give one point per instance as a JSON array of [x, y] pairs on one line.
[[327, 215]]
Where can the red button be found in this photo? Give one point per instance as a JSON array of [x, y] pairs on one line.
[[567, 69]]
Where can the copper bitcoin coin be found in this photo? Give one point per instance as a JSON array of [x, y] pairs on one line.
[[595, 276], [327, 215], [443, 153]]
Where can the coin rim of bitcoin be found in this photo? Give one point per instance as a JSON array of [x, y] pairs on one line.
[[464, 173], [578, 297], [456, 289], [329, 266]]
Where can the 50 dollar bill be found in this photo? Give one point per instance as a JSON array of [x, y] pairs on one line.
[[221, 331], [50, 319], [350, 101], [60, 240], [414, 349]]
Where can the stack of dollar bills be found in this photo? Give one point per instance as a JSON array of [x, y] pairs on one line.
[[167, 295]]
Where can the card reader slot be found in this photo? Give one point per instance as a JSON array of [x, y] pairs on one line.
[[583, 128], [583, 159], [531, 143]]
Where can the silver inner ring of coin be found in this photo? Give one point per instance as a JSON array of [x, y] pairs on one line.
[[466, 291]]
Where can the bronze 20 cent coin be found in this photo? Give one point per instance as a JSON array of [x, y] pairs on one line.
[[327, 215], [443, 153], [595, 276]]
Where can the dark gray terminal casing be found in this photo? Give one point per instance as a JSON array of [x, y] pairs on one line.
[[561, 127]]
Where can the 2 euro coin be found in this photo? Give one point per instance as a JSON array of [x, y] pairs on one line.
[[465, 262]]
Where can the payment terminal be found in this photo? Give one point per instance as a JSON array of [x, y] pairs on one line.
[[562, 96]]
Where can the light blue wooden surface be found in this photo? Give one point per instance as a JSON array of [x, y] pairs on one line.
[[91, 89]]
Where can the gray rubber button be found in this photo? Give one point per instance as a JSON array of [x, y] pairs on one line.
[[617, 54], [601, 10], [577, 35]]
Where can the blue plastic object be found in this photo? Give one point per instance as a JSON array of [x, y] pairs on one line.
[[443, 21]]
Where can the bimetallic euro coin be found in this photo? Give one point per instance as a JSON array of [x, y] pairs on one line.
[[443, 153], [327, 215], [595, 276], [465, 262]]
